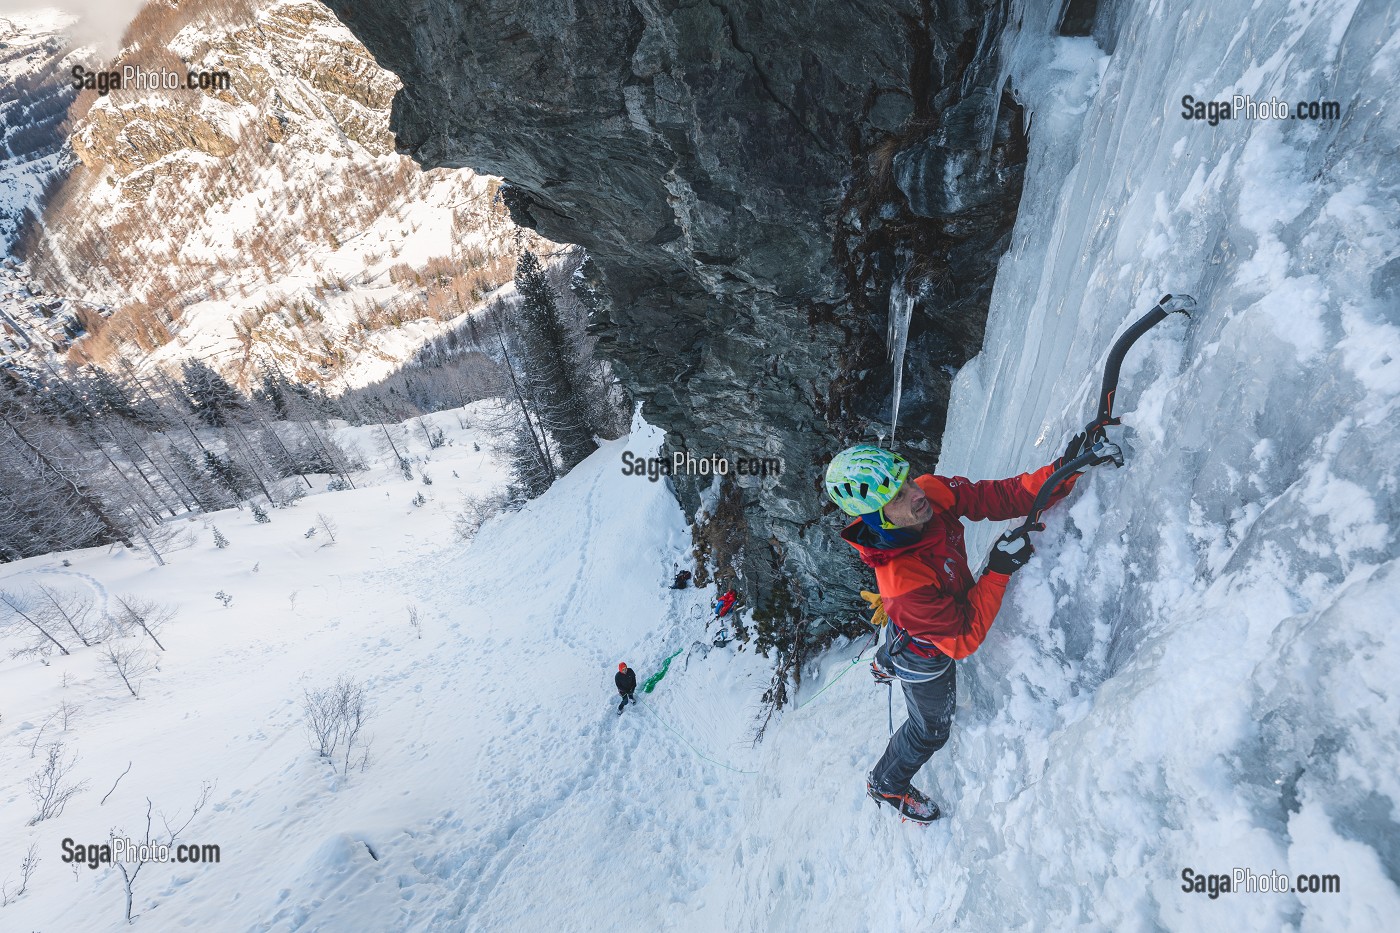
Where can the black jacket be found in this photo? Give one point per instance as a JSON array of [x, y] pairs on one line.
[[626, 681]]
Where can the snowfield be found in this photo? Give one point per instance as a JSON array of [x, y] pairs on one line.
[[495, 742]]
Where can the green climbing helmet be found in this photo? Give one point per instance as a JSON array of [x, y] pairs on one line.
[[864, 478]]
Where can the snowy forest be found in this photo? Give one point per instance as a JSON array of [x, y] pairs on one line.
[[94, 458]]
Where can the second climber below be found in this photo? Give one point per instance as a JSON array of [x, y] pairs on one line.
[[908, 530]]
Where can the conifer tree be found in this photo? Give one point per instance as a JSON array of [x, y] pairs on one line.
[[553, 371], [209, 394]]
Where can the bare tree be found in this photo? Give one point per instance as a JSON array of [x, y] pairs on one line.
[[26, 869], [335, 717], [45, 465], [49, 786], [130, 663], [149, 845], [414, 621], [67, 712], [20, 610], [39, 735], [475, 512], [72, 609], [145, 614], [327, 525]]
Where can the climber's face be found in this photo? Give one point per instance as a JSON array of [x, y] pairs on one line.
[[909, 507]]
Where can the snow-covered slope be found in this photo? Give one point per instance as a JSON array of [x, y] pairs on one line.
[[495, 745]]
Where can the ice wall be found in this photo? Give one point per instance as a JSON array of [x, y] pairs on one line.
[[1197, 669]]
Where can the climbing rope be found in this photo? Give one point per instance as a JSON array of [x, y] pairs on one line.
[[854, 661], [647, 707], [655, 679]]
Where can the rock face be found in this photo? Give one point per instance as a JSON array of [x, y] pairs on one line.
[[750, 179]]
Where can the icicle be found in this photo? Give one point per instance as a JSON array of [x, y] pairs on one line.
[[896, 338]]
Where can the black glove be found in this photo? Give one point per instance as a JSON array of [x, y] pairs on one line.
[[1076, 447], [1010, 553]]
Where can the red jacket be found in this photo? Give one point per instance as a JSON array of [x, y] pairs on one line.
[[926, 586]]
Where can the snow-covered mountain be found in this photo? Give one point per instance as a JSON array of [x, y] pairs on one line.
[[35, 57], [265, 218]]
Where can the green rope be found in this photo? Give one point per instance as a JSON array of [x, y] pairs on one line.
[[651, 682], [654, 679], [647, 707], [854, 661]]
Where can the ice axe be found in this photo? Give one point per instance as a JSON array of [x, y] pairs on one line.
[[1100, 449]]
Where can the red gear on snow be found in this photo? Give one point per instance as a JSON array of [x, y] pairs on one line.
[[927, 586]]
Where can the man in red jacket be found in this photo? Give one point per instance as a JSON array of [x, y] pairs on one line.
[[909, 531]]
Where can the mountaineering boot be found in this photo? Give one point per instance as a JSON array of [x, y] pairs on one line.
[[911, 805]]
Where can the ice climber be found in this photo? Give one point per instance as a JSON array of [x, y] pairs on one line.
[[626, 680], [909, 533]]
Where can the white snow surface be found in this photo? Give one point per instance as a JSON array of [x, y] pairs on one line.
[[496, 746], [1197, 670]]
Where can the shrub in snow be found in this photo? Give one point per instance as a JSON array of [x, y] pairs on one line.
[[291, 497], [130, 871], [220, 541], [258, 514], [145, 615], [224, 598], [420, 499], [26, 870], [130, 663], [310, 532], [475, 511], [335, 717], [337, 485], [49, 786]]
